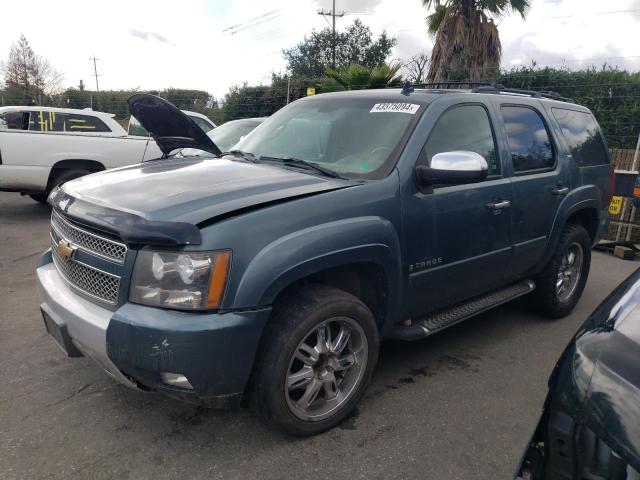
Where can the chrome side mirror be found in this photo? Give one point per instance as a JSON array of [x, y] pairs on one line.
[[453, 168]]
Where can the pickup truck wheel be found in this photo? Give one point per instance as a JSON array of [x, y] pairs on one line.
[[560, 285], [65, 176], [58, 179], [317, 358], [39, 197]]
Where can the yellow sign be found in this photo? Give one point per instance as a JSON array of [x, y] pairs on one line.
[[311, 91], [615, 205]]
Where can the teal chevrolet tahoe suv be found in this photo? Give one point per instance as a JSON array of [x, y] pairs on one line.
[[271, 273]]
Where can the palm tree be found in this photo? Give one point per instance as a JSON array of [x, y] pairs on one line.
[[357, 77], [467, 44]]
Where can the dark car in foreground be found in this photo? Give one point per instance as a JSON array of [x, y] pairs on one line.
[[590, 427], [271, 273]]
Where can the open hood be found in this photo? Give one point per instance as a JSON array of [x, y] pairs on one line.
[[169, 127]]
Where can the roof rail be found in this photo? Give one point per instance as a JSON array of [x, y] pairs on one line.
[[453, 84], [485, 87], [498, 88]]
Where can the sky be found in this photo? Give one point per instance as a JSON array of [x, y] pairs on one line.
[[214, 44]]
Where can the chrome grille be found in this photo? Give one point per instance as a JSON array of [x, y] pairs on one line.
[[100, 246], [100, 285]]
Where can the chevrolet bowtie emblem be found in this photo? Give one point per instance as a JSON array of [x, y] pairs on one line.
[[65, 249]]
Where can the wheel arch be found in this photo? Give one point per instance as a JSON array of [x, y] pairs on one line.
[[581, 207], [330, 254], [73, 164]]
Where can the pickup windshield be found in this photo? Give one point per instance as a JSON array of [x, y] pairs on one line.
[[354, 137]]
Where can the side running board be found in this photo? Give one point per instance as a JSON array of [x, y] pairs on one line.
[[424, 326]]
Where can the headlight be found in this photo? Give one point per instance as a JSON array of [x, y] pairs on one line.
[[181, 280]]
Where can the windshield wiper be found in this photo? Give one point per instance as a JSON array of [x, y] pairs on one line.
[[248, 156], [311, 166]]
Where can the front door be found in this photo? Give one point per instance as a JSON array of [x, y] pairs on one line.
[[457, 237]]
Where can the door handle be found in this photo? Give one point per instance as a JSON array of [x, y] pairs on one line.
[[501, 205], [560, 190]]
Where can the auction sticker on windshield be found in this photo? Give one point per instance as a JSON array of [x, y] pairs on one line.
[[397, 107]]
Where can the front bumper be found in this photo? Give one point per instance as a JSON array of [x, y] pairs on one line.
[[135, 343]]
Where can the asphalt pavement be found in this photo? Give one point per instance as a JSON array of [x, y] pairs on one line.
[[458, 405]]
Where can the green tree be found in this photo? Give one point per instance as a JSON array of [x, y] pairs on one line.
[[357, 77], [613, 95], [355, 45], [467, 44]]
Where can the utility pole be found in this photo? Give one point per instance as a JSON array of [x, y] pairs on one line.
[[333, 16], [95, 71], [288, 87]]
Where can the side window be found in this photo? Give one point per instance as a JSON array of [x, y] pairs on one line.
[[203, 124], [529, 141], [47, 121], [465, 127], [14, 121], [52, 121], [85, 123], [582, 134]]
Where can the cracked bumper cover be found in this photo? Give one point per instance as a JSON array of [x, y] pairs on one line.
[[135, 343]]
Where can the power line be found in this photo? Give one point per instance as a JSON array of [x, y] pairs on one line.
[[252, 21], [611, 12]]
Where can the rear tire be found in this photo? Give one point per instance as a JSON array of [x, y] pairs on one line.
[[65, 176], [317, 357], [39, 197], [560, 285]]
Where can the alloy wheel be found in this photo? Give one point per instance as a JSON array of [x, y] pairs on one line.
[[569, 272], [325, 368]]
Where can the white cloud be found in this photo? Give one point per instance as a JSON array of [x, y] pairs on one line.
[[157, 44]]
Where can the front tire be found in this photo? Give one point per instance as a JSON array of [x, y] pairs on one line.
[[559, 286], [317, 358]]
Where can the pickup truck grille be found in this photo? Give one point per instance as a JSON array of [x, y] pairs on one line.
[[97, 245]]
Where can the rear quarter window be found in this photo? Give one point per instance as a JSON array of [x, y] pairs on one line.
[[582, 134]]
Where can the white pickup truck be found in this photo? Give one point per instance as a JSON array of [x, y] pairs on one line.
[[43, 147]]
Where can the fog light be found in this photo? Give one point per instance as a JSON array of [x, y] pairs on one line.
[[175, 380]]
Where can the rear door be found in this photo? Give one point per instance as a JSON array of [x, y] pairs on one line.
[[540, 178]]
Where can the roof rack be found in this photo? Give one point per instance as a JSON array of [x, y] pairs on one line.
[[491, 87], [498, 88], [452, 84]]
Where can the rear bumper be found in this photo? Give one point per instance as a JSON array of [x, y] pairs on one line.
[[135, 343]]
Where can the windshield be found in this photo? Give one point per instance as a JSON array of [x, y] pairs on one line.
[[351, 136]]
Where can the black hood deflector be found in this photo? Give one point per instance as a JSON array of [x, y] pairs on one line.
[[131, 228], [168, 125]]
